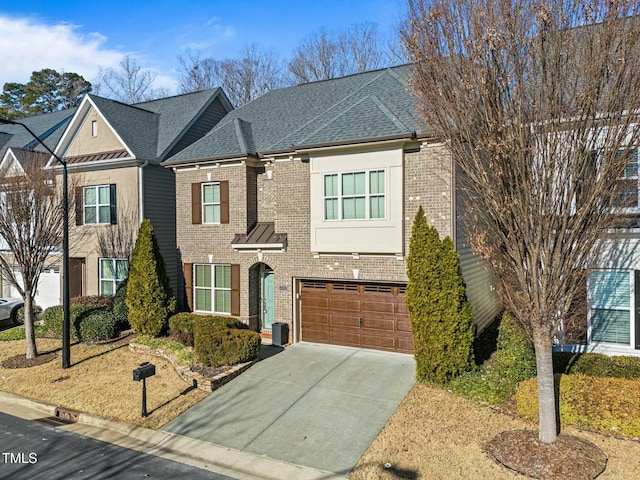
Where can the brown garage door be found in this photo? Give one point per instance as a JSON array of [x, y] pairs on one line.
[[354, 314]]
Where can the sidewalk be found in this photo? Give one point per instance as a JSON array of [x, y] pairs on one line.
[[200, 454]]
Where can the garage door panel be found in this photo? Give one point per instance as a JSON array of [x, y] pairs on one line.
[[315, 301], [385, 324], [350, 337], [378, 342], [315, 318], [344, 304], [344, 321], [403, 325], [379, 305], [310, 334]]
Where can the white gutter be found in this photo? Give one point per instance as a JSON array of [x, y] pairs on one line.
[[141, 190]]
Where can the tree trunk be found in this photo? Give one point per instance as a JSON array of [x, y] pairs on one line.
[[29, 331], [548, 426]]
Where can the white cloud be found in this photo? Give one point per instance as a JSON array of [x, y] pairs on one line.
[[27, 46]]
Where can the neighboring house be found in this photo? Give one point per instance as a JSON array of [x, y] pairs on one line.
[[16, 147], [612, 320], [113, 152], [298, 208]]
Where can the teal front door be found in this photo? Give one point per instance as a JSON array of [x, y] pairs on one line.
[[268, 297]]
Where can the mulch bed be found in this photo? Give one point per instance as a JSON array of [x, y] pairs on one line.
[[568, 457], [21, 361]]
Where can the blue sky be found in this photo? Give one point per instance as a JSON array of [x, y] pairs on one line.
[[81, 36]]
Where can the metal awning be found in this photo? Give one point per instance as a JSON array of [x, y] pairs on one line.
[[262, 237]]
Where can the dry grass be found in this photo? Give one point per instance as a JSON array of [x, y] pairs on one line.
[[435, 434], [100, 382]]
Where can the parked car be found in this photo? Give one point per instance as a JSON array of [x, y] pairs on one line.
[[9, 310]]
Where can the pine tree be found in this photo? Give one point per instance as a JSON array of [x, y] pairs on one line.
[[441, 317], [149, 297]]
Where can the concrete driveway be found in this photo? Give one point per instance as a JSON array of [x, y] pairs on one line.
[[314, 405]]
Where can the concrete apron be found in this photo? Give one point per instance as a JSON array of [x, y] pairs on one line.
[[313, 405]]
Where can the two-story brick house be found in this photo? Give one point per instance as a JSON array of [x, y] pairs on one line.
[[113, 152], [298, 208]]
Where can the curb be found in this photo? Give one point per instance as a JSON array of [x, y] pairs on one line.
[[227, 461]]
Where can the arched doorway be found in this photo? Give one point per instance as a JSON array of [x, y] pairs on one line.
[[262, 288]]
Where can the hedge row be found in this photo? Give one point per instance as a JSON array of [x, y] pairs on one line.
[[91, 319], [218, 341], [517, 361], [605, 404]]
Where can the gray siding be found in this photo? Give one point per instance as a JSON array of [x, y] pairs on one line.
[[481, 286], [209, 118], [160, 209]]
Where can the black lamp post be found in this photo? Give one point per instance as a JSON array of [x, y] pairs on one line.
[[66, 353]]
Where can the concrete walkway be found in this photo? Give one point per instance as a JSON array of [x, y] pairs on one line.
[[312, 405]]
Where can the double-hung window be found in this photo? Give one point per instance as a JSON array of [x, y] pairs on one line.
[[210, 203], [610, 293], [98, 204], [627, 196], [212, 288], [354, 195], [113, 271]]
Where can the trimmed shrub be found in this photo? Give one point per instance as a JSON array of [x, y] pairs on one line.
[[441, 317], [149, 297], [120, 310], [597, 365], [216, 345], [37, 313], [608, 405], [516, 355], [94, 301], [80, 310], [182, 327], [98, 325]]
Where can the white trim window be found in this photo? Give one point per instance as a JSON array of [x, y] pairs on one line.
[[112, 272], [97, 204], [212, 288], [611, 301], [354, 195], [628, 198], [211, 202]]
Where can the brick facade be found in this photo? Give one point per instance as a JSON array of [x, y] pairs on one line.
[[279, 191]]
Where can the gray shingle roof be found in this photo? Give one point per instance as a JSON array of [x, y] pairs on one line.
[[150, 128], [369, 105], [48, 127]]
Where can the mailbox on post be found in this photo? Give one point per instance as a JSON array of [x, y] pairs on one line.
[[144, 371]]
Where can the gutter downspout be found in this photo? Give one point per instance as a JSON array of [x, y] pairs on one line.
[[141, 190]]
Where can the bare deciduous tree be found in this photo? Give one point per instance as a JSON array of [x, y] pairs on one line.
[[254, 72], [117, 241], [322, 56], [31, 219], [538, 101], [130, 84], [196, 74]]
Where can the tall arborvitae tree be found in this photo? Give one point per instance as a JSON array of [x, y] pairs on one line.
[[149, 296], [441, 317]]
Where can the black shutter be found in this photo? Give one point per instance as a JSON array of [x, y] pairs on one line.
[[79, 205], [112, 202]]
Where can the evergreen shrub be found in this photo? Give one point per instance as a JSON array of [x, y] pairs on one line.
[[120, 310], [608, 405], [215, 345], [98, 325], [516, 355], [440, 315], [149, 297], [597, 365]]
